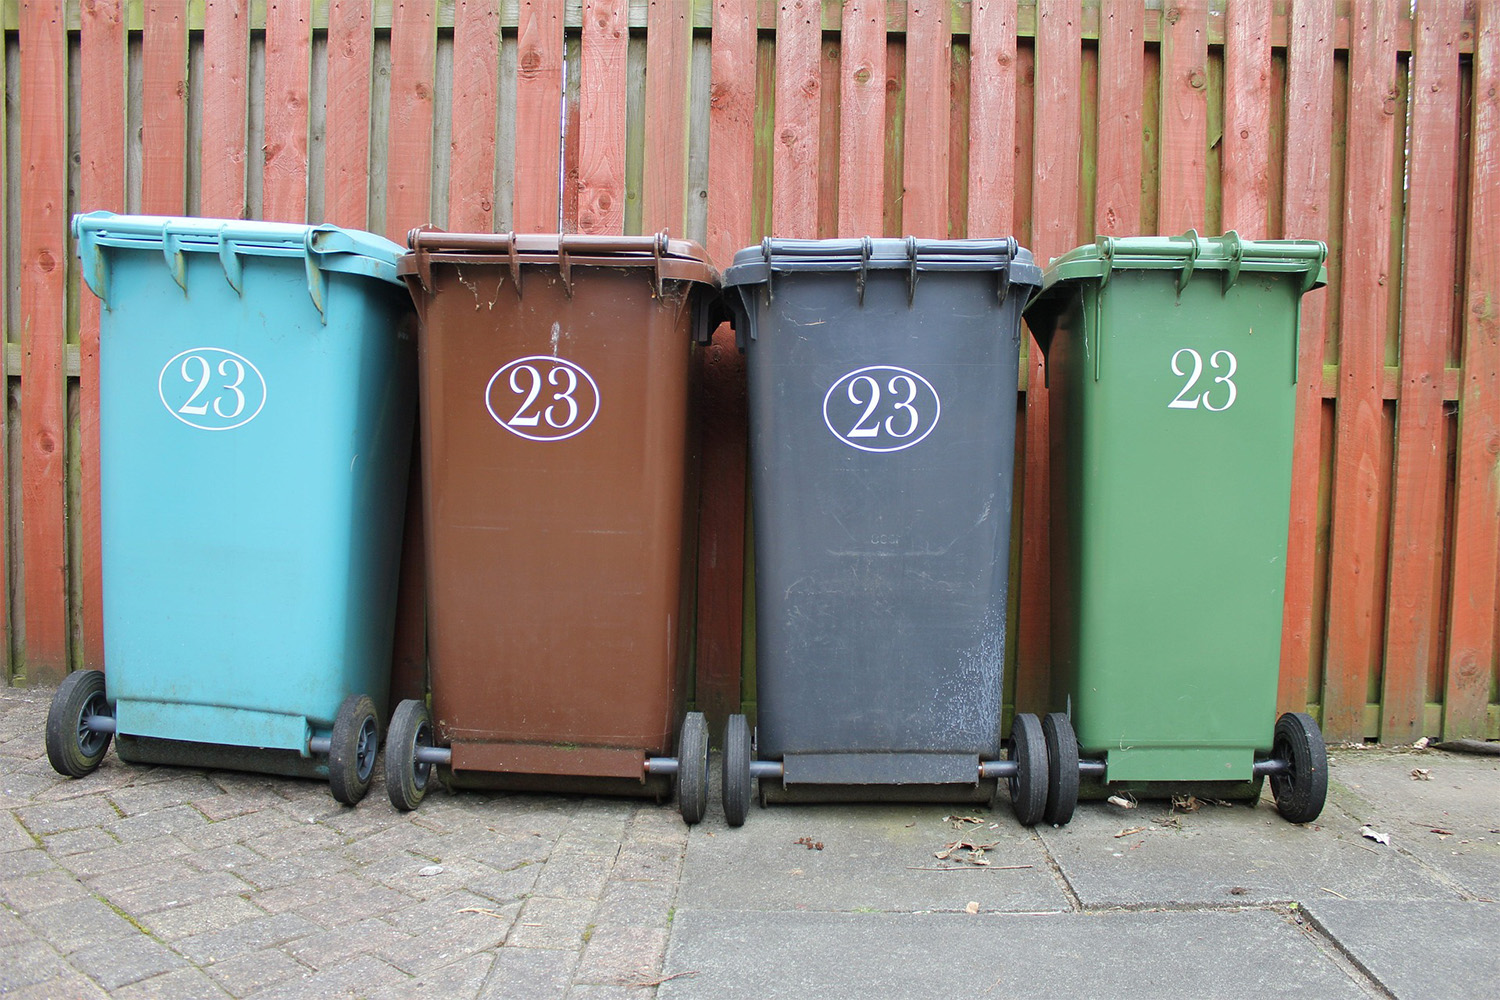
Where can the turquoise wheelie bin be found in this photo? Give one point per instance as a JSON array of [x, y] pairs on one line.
[[257, 405]]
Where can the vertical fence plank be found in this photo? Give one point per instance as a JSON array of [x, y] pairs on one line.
[[601, 120], [895, 132], [1414, 600], [799, 84], [828, 141], [346, 143], [408, 203], [1305, 215], [226, 58], [928, 90], [164, 90], [862, 118], [409, 142], [1184, 117], [1054, 213], [1472, 631], [992, 117], [538, 115], [9, 552], [669, 61], [476, 85], [721, 516], [1117, 201], [101, 186], [1354, 574], [43, 276], [288, 53], [1246, 177]]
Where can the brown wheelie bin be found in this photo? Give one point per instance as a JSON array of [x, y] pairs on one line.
[[554, 377]]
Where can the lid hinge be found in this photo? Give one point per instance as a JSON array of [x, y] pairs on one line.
[[172, 251], [317, 284], [1188, 260]]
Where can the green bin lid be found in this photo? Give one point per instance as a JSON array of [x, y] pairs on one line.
[[1188, 253]]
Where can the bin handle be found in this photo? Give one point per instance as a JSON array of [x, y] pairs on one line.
[[95, 266], [229, 259], [911, 272], [1235, 248], [317, 285], [420, 257], [1188, 261], [171, 249], [866, 248]]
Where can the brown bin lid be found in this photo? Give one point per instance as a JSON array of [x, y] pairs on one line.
[[673, 260]]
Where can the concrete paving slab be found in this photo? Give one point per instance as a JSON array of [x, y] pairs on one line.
[[1418, 950], [855, 956], [872, 857], [1448, 818], [1222, 855]]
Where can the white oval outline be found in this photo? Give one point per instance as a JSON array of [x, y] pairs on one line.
[[889, 368], [489, 387], [161, 391]]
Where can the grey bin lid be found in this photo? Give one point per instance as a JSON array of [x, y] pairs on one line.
[[754, 265]]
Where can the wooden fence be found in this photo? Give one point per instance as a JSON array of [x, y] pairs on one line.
[[1364, 124]]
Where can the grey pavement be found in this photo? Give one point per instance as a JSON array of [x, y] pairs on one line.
[[174, 882]]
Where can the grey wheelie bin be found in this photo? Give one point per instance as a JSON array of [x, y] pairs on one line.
[[882, 380]]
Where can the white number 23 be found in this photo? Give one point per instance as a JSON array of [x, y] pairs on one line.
[[1218, 361]]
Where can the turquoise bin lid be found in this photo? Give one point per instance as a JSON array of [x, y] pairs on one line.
[[322, 248]]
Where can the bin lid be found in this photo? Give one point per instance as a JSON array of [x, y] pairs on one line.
[[1188, 253], [672, 260], [754, 265]]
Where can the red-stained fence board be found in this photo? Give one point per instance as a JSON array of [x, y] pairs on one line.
[[721, 516], [538, 115], [164, 89], [1471, 652], [862, 118], [928, 93], [476, 84], [992, 117], [346, 142], [101, 185], [601, 119], [226, 58], [1054, 211], [408, 188], [1184, 117], [1246, 151], [1117, 197], [799, 85], [1354, 574], [288, 49], [1305, 215], [1414, 600], [43, 288], [669, 60]]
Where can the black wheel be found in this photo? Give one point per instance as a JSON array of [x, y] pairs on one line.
[[1028, 786], [406, 778], [692, 768], [1300, 792], [351, 755], [737, 756], [73, 748], [1062, 768]]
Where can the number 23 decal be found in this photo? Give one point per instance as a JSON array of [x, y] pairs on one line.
[[881, 408], [211, 388], [542, 398], [1211, 398]]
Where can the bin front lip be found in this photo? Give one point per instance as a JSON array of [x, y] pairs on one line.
[[674, 260], [1229, 253]]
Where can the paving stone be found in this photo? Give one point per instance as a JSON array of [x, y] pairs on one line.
[[134, 799], [113, 964], [255, 970], [13, 836], [242, 828], [14, 931], [253, 935], [545, 922], [69, 984], [180, 821], [229, 857], [434, 914], [42, 820], [291, 870], [355, 978], [622, 954], [331, 947], [18, 864], [124, 856], [608, 991], [89, 838], [26, 964], [176, 889], [465, 934], [529, 974], [458, 980], [576, 876], [394, 841], [1419, 949], [26, 893], [183, 984], [290, 843], [649, 861], [457, 872], [641, 904], [332, 901], [199, 918], [69, 927]]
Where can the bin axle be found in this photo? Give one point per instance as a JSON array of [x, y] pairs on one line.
[[100, 723]]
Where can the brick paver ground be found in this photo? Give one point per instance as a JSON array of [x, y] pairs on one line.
[[166, 882]]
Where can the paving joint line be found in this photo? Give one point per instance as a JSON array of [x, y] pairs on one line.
[[1358, 971]]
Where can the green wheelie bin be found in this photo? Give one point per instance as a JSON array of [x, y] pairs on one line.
[[1171, 366]]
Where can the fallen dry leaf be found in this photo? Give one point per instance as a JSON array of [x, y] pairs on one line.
[[809, 843], [1186, 803], [1421, 774], [1126, 833], [1441, 832], [960, 820], [1122, 801], [1371, 834]]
